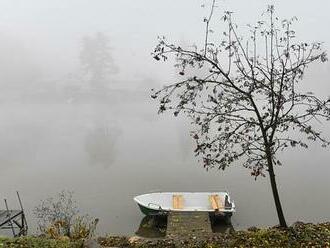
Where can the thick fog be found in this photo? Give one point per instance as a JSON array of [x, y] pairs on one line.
[[66, 124]]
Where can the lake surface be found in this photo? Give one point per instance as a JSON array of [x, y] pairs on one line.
[[109, 151]]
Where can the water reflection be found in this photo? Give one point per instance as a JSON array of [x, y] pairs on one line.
[[155, 226], [152, 227], [221, 225], [100, 145]]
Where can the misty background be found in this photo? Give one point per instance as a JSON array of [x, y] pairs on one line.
[[66, 123]]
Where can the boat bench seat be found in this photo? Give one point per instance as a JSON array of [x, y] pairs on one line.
[[177, 201], [216, 202]]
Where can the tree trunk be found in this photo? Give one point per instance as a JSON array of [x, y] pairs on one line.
[[278, 205]]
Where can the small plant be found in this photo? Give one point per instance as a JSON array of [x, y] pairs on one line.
[[58, 218], [57, 213], [83, 228], [57, 229]]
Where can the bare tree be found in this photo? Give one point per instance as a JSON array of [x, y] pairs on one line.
[[248, 105]]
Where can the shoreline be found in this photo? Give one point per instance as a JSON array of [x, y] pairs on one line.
[[298, 235]]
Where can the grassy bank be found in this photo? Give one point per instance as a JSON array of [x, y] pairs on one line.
[[298, 235]]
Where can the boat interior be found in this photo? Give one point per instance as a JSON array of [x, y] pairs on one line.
[[186, 201]]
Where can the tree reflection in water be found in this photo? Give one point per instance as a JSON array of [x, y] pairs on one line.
[[100, 145]]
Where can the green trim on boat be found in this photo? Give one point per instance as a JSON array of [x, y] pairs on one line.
[[148, 211]]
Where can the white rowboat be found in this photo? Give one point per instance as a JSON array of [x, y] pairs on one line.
[[164, 202]]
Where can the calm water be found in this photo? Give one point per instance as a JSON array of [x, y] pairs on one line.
[[109, 151]]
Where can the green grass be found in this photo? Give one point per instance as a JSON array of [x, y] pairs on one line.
[[35, 242]]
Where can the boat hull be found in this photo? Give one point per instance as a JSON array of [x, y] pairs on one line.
[[152, 212], [149, 211]]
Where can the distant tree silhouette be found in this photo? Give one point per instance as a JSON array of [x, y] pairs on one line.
[[97, 60], [247, 105]]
